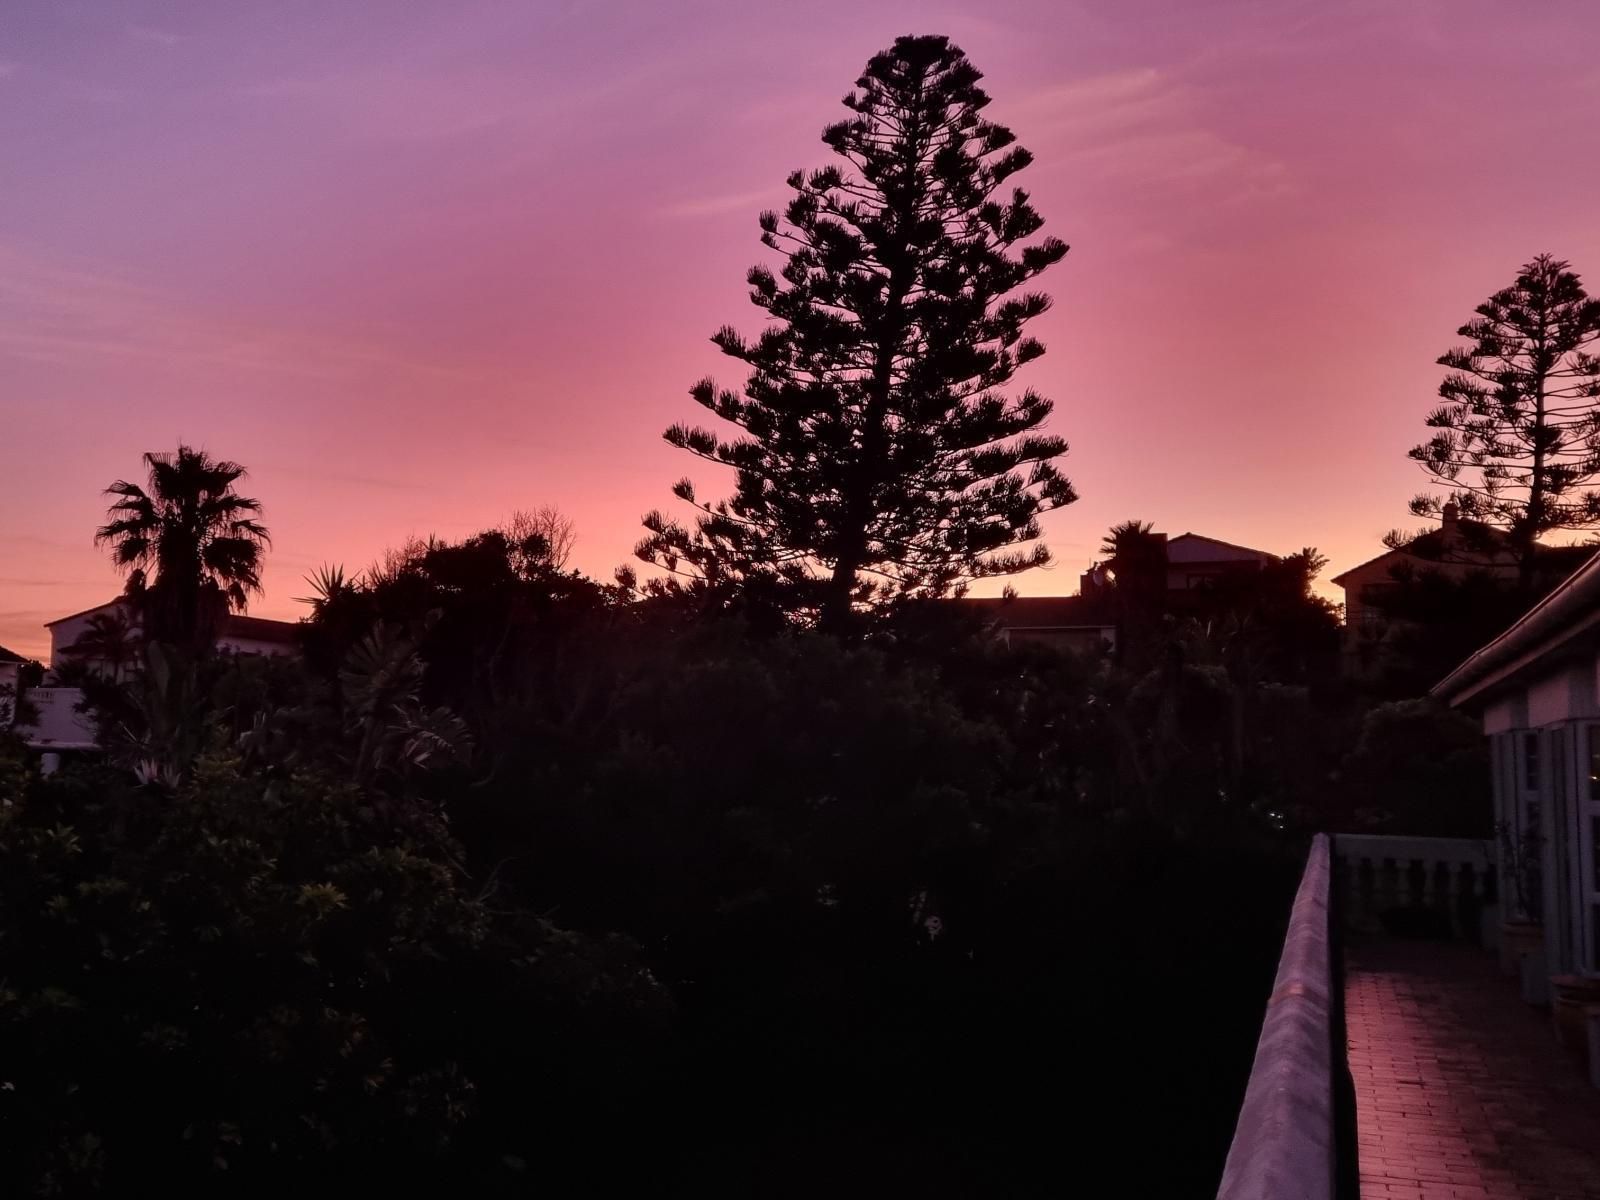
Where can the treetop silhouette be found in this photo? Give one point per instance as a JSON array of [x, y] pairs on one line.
[[877, 456]]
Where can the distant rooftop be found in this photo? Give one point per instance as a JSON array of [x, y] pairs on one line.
[[234, 625], [1035, 612]]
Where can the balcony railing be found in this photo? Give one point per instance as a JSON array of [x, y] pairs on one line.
[[1294, 1121], [1421, 885], [1296, 1131]]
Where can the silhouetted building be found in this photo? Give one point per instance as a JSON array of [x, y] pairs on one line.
[[1457, 549], [1192, 561], [1061, 622]]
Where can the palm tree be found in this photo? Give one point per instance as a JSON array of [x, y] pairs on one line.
[[110, 641], [192, 545], [1136, 554]]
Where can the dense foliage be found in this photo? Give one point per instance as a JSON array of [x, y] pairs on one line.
[[512, 867]]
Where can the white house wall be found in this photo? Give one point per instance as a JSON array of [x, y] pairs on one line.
[[64, 633], [1545, 753], [1567, 695], [1505, 715], [60, 725]]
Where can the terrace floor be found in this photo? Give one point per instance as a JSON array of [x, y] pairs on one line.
[[1461, 1089]]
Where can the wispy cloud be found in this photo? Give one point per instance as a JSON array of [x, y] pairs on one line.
[[420, 100], [715, 206], [61, 312], [156, 37], [47, 583], [1140, 125], [336, 479]]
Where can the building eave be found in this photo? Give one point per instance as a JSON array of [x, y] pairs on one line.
[[1205, 537], [1567, 613], [1361, 566], [98, 607]]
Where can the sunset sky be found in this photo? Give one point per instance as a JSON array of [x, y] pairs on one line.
[[420, 265]]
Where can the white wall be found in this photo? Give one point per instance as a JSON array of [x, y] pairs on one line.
[[64, 633], [1562, 696], [60, 725]]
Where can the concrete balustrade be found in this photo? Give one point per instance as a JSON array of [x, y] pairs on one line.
[[1385, 879]]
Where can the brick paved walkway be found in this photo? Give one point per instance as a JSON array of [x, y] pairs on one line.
[[1461, 1090]]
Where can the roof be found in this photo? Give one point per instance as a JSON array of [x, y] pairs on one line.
[[1201, 537], [1430, 543], [10, 656], [1570, 611], [86, 612], [1037, 612], [260, 629], [235, 625]]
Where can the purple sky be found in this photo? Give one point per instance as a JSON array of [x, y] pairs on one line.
[[419, 265]]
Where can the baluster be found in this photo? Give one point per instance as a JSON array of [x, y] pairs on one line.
[[1416, 884], [1388, 884], [1444, 897]]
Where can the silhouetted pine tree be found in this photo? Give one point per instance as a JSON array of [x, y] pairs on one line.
[[878, 459], [1519, 432]]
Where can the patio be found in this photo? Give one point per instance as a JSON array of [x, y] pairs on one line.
[[1461, 1089]]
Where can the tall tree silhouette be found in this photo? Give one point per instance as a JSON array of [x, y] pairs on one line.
[[1519, 430], [878, 457], [191, 544]]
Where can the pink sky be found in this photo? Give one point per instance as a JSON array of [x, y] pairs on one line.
[[420, 265]]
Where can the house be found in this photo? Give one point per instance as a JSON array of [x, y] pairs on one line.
[[1060, 622], [1195, 561], [60, 724], [1536, 689], [1185, 563], [1456, 549], [237, 634]]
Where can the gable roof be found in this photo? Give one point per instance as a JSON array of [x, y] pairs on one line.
[[1435, 549], [257, 629], [1249, 552], [114, 603]]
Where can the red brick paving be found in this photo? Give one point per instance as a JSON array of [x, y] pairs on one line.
[[1461, 1090]]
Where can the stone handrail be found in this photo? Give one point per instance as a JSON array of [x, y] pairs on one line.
[[1285, 1145]]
